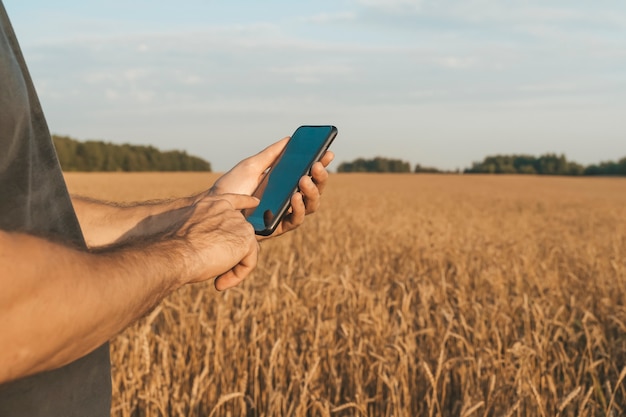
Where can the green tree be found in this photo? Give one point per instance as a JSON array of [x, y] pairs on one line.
[[419, 169], [101, 156], [377, 164], [547, 164]]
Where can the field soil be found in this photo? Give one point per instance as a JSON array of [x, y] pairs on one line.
[[405, 295]]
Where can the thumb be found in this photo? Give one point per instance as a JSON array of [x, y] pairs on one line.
[[267, 156]]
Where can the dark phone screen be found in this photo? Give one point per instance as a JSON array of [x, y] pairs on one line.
[[275, 191]]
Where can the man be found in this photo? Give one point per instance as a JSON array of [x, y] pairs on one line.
[[75, 272]]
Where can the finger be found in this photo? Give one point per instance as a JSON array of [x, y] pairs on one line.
[[298, 211], [320, 176], [240, 201], [327, 158], [310, 193], [231, 278], [240, 271]]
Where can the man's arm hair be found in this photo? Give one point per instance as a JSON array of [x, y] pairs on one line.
[[58, 303], [106, 223]]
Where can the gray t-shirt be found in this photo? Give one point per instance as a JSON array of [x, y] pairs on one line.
[[34, 200]]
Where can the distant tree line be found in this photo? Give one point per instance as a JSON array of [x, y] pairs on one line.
[[377, 164], [76, 155], [548, 164], [419, 169], [380, 164]]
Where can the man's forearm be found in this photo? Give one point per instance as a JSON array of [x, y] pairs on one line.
[[58, 303], [106, 223]]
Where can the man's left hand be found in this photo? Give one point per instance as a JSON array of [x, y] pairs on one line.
[[244, 178]]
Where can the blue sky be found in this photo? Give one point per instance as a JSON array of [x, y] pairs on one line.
[[435, 82]]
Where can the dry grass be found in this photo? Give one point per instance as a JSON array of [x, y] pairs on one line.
[[405, 295]]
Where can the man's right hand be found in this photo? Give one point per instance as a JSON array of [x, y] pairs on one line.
[[221, 242]]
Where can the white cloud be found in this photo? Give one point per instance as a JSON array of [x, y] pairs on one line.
[[393, 6], [325, 18], [191, 79], [135, 74], [97, 77], [317, 72], [111, 94], [455, 62], [530, 12], [552, 87]]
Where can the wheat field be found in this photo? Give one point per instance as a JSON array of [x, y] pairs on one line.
[[405, 295]]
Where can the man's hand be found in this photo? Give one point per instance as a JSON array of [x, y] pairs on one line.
[[220, 240], [247, 174]]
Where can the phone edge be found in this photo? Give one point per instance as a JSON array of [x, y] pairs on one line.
[[278, 218]]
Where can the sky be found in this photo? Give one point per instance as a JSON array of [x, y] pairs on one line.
[[441, 83]]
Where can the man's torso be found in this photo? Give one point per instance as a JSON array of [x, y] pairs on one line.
[[34, 200]]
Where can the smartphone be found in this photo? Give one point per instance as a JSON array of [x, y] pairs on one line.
[[306, 146]]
